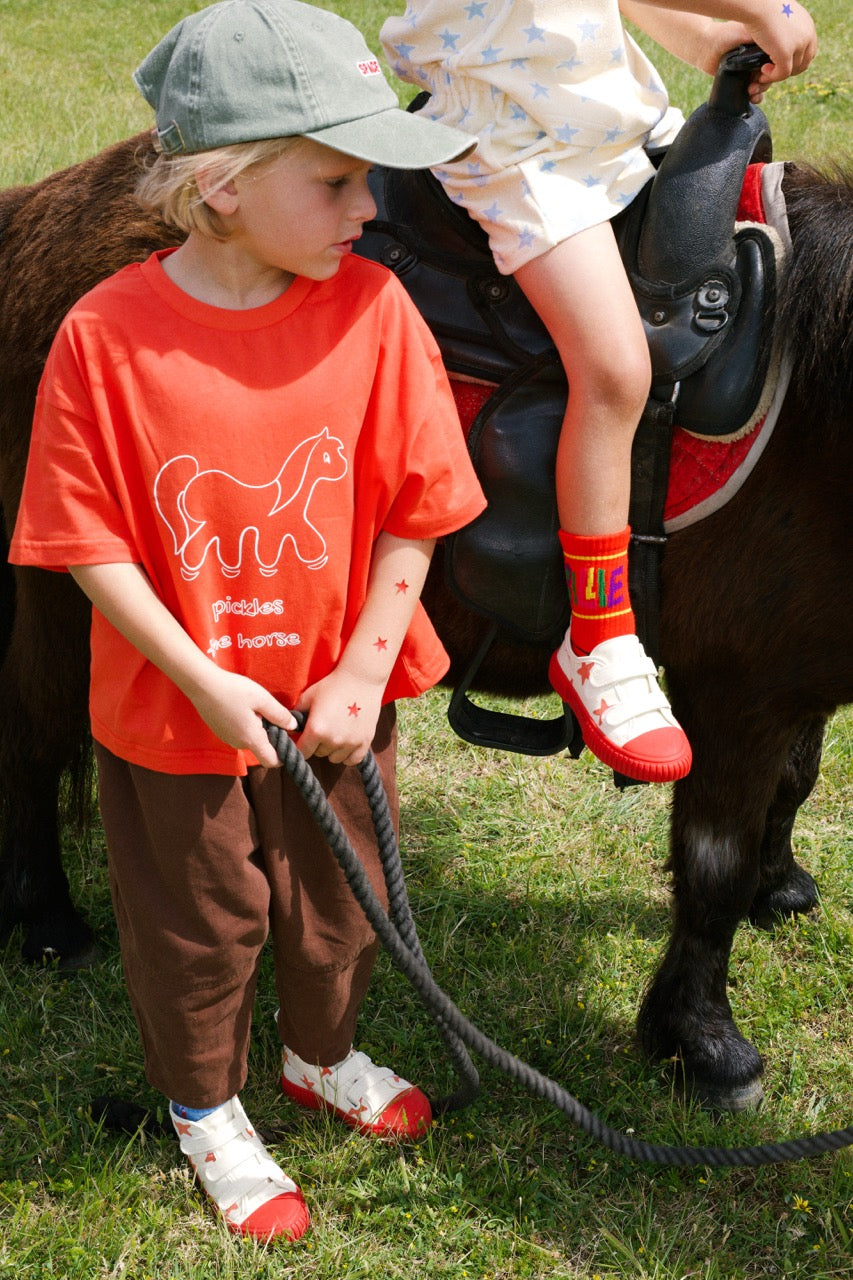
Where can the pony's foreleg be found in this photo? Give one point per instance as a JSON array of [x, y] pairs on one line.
[[785, 888], [718, 822], [34, 889], [43, 683]]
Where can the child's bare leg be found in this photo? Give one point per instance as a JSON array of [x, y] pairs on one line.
[[580, 290]]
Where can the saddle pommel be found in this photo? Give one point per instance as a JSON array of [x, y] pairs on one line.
[[693, 201]]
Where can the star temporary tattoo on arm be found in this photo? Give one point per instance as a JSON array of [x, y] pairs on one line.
[[402, 587], [380, 644], [354, 709], [787, 10]]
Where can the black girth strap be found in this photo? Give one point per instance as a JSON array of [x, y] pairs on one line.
[[649, 480]]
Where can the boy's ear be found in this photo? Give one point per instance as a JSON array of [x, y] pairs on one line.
[[222, 198]]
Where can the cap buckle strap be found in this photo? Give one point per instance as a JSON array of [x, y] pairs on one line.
[[170, 139]]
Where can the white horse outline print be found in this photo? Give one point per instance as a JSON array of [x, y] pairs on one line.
[[206, 510]]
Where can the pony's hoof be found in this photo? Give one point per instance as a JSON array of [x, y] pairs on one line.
[[69, 946], [715, 1097], [86, 958]]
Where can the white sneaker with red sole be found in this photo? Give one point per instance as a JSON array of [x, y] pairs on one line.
[[374, 1100], [241, 1179], [623, 713]]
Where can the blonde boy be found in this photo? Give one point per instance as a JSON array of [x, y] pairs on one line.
[[243, 451]]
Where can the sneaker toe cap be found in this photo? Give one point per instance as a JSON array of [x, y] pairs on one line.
[[407, 1116], [663, 754], [285, 1215]]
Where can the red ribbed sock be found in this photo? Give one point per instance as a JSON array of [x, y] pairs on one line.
[[597, 578]]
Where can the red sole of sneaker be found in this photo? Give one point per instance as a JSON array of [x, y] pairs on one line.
[[668, 769]]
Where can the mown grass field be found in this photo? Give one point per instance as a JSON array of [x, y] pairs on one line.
[[541, 902]]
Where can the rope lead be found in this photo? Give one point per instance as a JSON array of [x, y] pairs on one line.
[[396, 931]]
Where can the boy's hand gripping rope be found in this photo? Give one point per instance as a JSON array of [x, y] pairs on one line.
[[396, 931]]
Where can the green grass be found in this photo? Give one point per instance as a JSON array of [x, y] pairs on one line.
[[541, 902]]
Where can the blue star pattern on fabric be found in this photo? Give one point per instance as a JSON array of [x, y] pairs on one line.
[[561, 99]]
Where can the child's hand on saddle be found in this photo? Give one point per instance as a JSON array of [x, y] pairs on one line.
[[789, 49], [234, 707], [787, 35], [720, 38], [342, 714]]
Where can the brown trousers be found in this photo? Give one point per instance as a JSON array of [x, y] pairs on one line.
[[202, 868]]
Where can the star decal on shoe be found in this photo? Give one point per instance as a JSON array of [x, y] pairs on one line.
[[601, 709], [183, 1128], [585, 670], [210, 1158]]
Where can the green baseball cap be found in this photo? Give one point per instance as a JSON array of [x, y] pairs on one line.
[[244, 70]]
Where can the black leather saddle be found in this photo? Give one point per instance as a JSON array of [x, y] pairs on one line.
[[703, 291]]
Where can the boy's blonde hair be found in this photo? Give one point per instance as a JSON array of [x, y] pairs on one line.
[[169, 186]]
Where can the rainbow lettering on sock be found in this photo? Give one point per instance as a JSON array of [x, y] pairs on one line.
[[603, 587]]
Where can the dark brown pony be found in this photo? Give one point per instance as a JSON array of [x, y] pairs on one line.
[[757, 638]]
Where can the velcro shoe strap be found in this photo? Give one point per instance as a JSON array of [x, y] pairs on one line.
[[238, 1161], [198, 1140], [652, 703], [362, 1087], [601, 674]]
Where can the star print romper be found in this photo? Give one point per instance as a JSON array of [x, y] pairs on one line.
[[563, 103]]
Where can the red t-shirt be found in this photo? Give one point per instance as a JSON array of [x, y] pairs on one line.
[[247, 460]]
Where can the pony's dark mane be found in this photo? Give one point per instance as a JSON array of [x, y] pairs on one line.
[[815, 309]]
